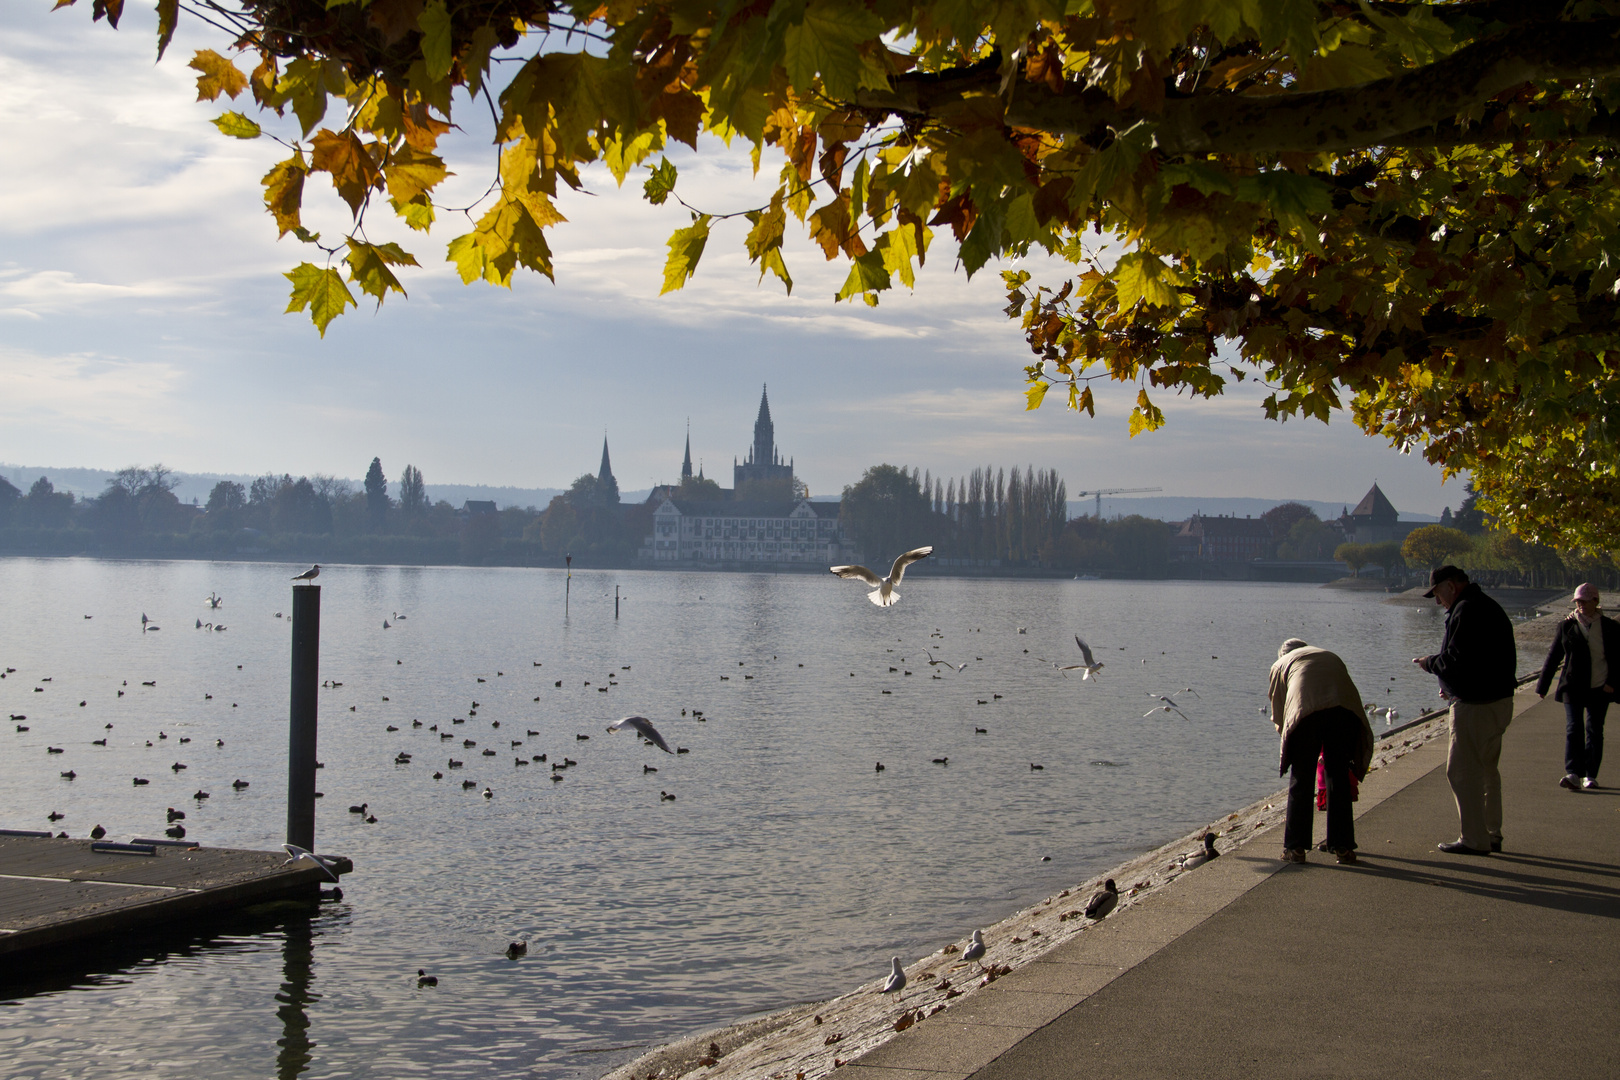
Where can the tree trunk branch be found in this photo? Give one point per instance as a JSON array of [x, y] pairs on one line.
[[1398, 110]]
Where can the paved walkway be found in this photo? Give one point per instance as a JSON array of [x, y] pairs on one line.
[[1412, 963]]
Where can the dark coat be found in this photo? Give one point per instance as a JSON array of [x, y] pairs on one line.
[[1477, 661], [1570, 649]]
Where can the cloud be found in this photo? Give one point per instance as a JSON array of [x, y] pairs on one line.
[[55, 291], [88, 393]]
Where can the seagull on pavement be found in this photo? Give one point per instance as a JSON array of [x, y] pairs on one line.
[[975, 949], [309, 575], [643, 727], [897, 978], [883, 594]]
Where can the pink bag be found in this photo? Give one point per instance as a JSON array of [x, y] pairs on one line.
[[1321, 783]]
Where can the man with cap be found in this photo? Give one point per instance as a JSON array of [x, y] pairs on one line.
[[1588, 643], [1476, 667]]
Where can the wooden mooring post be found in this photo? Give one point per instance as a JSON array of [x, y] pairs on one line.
[[306, 682]]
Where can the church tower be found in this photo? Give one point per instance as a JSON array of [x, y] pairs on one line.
[[607, 488], [686, 466], [763, 461], [764, 452]]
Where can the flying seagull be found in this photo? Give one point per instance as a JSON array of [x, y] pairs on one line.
[[643, 727], [309, 575], [1166, 708], [958, 668], [294, 853], [883, 594], [1088, 669]]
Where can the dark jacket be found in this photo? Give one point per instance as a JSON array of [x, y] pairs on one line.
[[1477, 661], [1570, 649]]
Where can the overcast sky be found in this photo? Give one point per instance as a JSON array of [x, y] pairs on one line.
[[141, 300]]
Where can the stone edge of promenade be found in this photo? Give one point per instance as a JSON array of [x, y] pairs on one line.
[[1156, 906]]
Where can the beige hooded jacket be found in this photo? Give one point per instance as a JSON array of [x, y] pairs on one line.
[[1305, 680]]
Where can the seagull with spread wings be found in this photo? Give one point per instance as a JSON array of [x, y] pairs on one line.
[[958, 668], [294, 853], [643, 727], [883, 594], [1088, 669]]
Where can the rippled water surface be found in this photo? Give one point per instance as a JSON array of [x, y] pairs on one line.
[[786, 869]]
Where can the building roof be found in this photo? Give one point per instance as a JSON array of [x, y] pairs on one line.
[[1375, 507], [779, 509], [479, 506], [1201, 525]]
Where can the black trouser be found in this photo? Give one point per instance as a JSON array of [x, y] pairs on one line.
[[1583, 732], [1330, 733]]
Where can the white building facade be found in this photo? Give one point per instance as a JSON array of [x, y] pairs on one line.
[[794, 533]]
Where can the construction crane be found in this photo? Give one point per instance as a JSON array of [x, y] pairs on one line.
[[1100, 492]]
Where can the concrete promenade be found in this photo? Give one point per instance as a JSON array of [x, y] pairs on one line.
[[1411, 963]]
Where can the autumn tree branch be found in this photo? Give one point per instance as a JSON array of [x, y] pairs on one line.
[[1384, 112]]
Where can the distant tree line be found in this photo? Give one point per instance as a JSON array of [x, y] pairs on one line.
[[316, 517]]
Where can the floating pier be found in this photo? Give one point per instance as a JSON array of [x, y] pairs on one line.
[[58, 891]]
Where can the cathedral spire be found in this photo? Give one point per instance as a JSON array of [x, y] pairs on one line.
[[605, 473], [686, 466], [764, 432]]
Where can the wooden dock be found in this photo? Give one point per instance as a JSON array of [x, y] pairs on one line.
[[59, 891]]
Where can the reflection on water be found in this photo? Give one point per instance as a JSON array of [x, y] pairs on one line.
[[787, 869], [297, 972]]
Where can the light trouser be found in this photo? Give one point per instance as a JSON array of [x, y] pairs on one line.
[[1476, 747]]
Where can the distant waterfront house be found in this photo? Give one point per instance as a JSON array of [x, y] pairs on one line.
[[1375, 520], [792, 532], [1222, 539], [474, 507]]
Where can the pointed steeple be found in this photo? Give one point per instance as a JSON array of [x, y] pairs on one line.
[[764, 432], [607, 488], [686, 466]]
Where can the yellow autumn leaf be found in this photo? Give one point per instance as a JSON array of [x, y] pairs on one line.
[[219, 76]]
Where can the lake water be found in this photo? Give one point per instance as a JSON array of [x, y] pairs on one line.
[[786, 869]]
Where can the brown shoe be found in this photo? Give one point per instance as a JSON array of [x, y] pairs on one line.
[[1346, 856], [1293, 854]]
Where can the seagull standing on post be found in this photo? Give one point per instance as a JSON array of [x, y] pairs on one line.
[[309, 575], [883, 594]]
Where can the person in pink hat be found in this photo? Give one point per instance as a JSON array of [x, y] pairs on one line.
[[1587, 646]]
